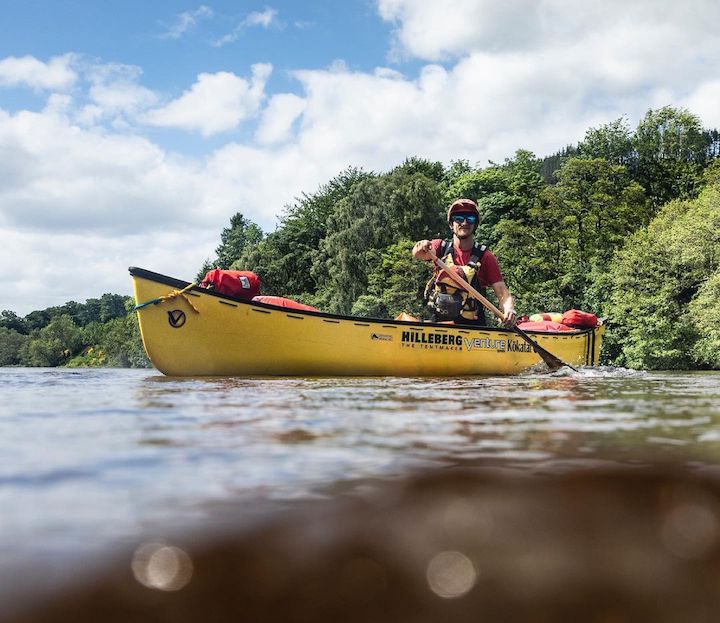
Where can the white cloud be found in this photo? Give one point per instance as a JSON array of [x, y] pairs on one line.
[[122, 96], [215, 103], [434, 30], [78, 206], [261, 18], [57, 177], [529, 70], [57, 73], [453, 28], [264, 19], [704, 102], [115, 93], [278, 117], [186, 21], [38, 270], [98, 194]]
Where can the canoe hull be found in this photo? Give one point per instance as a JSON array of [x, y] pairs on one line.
[[203, 333]]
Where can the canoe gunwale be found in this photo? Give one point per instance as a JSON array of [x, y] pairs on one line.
[[179, 284]]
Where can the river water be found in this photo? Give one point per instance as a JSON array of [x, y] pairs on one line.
[[97, 461]]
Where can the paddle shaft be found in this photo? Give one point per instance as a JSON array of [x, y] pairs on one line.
[[552, 362]]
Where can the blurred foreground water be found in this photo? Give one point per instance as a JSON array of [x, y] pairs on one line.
[[126, 495]]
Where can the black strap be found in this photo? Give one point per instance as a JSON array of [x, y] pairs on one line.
[[445, 248], [478, 251]]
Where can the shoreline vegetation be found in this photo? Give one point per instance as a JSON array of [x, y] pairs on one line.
[[626, 224]]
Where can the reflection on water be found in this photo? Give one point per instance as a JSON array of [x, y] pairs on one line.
[[96, 459]]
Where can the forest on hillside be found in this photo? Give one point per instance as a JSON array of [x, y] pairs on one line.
[[625, 224]]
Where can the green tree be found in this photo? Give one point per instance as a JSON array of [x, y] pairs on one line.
[[116, 342], [55, 343], [112, 306], [378, 213], [712, 139], [107, 307], [671, 152], [571, 234], [235, 238], [704, 311], [549, 165], [12, 344], [502, 192], [396, 281], [284, 259], [456, 169], [612, 141], [601, 204], [38, 319], [432, 170], [662, 286], [204, 269], [10, 320], [82, 314], [122, 344]]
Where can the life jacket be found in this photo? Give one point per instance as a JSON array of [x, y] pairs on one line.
[[445, 298]]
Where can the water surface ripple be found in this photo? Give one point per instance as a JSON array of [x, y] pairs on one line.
[[95, 459]]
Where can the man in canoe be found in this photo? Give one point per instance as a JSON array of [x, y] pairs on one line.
[[472, 261]]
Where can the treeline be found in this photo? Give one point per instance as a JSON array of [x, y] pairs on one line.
[[99, 332], [625, 224]]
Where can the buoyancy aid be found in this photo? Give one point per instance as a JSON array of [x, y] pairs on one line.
[[445, 299]]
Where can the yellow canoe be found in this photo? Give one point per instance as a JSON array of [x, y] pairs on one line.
[[204, 333]]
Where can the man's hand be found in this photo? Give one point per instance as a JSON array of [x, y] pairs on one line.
[[421, 250], [509, 316]]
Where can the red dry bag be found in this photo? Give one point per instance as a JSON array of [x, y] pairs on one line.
[[281, 301], [243, 284], [543, 325], [579, 319]]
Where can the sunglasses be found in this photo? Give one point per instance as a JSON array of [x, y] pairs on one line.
[[461, 218]]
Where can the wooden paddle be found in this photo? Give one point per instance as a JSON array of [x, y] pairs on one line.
[[551, 361]]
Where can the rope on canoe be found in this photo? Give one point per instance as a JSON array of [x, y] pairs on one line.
[[169, 296]]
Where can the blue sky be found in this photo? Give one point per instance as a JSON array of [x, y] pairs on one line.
[[314, 33], [130, 132], [173, 42]]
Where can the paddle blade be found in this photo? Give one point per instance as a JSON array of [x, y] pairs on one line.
[[550, 360]]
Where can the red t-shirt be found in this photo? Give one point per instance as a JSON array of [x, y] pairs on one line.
[[489, 271]]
